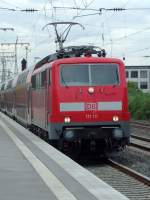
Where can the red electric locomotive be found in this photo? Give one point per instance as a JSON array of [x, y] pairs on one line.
[[77, 101]]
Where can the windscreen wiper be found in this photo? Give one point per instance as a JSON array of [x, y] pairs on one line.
[[64, 82]]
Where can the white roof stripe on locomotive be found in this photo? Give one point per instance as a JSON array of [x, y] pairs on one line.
[[102, 106]]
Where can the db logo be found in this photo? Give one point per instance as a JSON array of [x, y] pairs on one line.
[[91, 106]]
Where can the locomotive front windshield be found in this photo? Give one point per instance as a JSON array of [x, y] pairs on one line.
[[89, 74]]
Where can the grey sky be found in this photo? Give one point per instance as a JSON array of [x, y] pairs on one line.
[[122, 34]]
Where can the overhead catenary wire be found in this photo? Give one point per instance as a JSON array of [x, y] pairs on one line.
[[11, 4], [130, 35], [139, 50], [99, 11], [82, 10], [84, 3], [85, 7], [105, 21]]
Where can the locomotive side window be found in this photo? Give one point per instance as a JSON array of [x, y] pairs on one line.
[[43, 78], [38, 80], [89, 74], [33, 81], [50, 78]]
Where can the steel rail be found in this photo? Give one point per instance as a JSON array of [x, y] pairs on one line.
[[145, 148], [130, 172], [140, 125], [140, 138]]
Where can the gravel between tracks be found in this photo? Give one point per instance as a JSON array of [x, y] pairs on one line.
[[135, 159], [127, 185], [140, 132]]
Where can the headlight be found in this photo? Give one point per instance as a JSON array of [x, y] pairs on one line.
[[115, 118], [91, 90], [67, 120]]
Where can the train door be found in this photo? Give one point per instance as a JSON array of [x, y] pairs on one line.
[[42, 99], [39, 99], [49, 97]]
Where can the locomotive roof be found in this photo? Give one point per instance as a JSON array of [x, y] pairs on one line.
[[72, 51], [88, 60], [77, 60], [72, 55]]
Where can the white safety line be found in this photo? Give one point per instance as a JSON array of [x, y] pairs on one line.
[[59, 190]]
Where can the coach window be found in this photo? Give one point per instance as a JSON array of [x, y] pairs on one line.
[[143, 74], [134, 74], [143, 85]]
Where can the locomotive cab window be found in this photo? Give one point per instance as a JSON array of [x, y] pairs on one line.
[[89, 74]]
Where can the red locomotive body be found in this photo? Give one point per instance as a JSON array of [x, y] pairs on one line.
[[76, 102], [82, 99]]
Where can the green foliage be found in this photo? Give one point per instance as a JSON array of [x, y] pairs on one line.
[[139, 102]]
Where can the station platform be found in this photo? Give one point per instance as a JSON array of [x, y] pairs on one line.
[[31, 169]]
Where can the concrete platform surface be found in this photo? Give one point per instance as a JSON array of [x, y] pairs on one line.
[[31, 169]]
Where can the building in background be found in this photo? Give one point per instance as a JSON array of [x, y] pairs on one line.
[[139, 75]]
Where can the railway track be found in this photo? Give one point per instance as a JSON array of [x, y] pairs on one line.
[[138, 124], [127, 181], [138, 140]]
